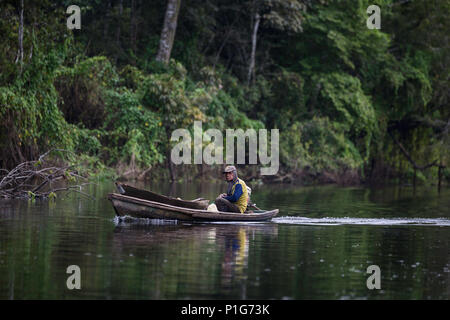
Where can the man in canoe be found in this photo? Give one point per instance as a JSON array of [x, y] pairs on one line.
[[236, 198]]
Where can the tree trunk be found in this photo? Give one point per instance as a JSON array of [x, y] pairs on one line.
[[168, 31], [20, 51], [439, 177], [133, 29], [118, 30], [172, 172], [251, 68], [106, 23], [170, 164]]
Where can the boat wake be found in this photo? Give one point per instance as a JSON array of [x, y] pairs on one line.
[[142, 221], [441, 222], [363, 221]]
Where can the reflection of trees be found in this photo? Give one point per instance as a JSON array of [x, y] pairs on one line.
[[38, 240]]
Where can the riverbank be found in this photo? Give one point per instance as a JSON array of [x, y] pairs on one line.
[[58, 170], [251, 174]]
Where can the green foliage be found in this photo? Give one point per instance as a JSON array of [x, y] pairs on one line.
[[85, 141], [131, 77], [82, 87], [318, 144], [132, 132], [285, 14], [29, 111], [280, 100], [336, 90], [343, 99], [410, 83], [228, 107]]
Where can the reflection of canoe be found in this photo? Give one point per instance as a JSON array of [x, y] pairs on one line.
[[142, 208], [141, 236], [148, 195]]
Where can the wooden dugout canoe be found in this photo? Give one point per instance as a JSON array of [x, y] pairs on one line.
[[130, 191], [142, 208]]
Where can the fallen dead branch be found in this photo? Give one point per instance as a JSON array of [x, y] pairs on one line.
[[41, 178]]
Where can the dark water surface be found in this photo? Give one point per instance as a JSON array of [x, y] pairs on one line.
[[318, 248]]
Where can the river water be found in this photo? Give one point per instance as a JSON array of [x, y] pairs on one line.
[[319, 247]]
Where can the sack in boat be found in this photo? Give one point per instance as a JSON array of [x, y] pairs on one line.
[[212, 207], [249, 193]]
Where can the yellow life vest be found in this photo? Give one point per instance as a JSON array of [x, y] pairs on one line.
[[243, 199]]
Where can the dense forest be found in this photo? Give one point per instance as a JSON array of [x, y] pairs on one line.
[[353, 104]]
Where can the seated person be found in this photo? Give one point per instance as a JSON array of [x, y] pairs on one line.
[[236, 198]]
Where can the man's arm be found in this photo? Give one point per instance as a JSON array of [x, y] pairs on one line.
[[237, 194]]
